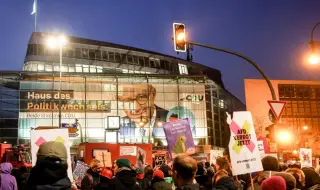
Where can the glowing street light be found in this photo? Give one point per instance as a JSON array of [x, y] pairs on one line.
[[305, 127], [314, 59], [53, 42], [295, 152], [284, 137]]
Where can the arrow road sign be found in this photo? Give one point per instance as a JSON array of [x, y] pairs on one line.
[[277, 107]]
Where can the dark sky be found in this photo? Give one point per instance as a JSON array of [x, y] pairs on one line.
[[275, 34]]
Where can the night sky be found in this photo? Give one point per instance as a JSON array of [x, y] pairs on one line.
[[275, 34]]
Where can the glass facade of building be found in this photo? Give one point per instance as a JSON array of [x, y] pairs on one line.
[[141, 102], [303, 107]]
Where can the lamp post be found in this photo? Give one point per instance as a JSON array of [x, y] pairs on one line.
[[53, 42], [313, 59]]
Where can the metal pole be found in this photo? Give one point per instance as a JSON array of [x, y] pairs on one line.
[[35, 15], [60, 84], [273, 94], [311, 36]]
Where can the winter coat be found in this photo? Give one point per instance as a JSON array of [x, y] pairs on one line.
[[20, 178], [225, 183], [145, 183], [90, 181], [160, 184], [49, 175], [8, 182], [194, 186], [124, 180]]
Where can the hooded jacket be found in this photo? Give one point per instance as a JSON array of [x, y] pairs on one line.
[[8, 182], [124, 180], [47, 175], [225, 183]]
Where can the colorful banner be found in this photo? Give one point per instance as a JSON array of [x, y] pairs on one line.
[[80, 172], [243, 145], [41, 136], [306, 157], [141, 158], [179, 137]]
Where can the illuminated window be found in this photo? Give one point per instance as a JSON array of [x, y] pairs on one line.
[[48, 68], [72, 69], [64, 69], [78, 68], [183, 69], [40, 67], [85, 68], [93, 69], [99, 69], [221, 103]]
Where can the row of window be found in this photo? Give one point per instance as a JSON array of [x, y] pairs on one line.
[[297, 91], [101, 55]]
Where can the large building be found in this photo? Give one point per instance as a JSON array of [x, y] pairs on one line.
[[106, 85], [302, 109]]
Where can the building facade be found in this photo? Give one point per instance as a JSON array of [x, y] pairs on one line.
[[302, 109], [106, 86]]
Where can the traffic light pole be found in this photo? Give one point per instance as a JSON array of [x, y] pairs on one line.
[[273, 94]]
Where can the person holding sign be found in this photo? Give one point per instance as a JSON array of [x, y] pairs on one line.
[[92, 178]]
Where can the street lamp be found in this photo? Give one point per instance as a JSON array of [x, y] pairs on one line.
[[53, 42], [313, 59]]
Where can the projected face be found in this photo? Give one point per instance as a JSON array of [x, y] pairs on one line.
[[138, 102]]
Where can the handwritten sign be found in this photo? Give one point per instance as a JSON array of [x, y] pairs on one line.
[[104, 157], [159, 160]]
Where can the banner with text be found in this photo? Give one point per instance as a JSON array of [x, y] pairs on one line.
[[243, 145]]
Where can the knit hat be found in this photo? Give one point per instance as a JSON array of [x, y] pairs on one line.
[[274, 183], [270, 163], [52, 149], [158, 174], [123, 163]]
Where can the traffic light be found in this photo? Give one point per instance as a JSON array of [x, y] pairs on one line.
[[271, 133], [179, 37]]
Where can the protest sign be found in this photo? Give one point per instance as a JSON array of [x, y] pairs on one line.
[[306, 157], [41, 136], [80, 172], [260, 147], [141, 158], [245, 156], [179, 137], [104, 157], [159, 160]]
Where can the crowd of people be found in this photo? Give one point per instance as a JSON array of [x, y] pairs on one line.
[[185, 173]]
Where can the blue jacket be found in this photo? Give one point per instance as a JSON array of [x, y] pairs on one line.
[[8, 182]]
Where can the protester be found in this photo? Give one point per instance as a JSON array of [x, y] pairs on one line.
[[158, 183], [299, 176], [50, 171], [105, 176], [167, 173], [312, 178], [222, 181], [183, 173], [274, 183], [288, 178], [92, 177], [201, 175], [222, 163], [8, 182], [125, 176], [146, 182], [140, 177], [20, 176]]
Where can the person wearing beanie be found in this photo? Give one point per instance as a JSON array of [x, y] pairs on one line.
[[125, 176], [92, 177], [50, 171], [274, 183], [158, 183], [312, 179], [288, 178]]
